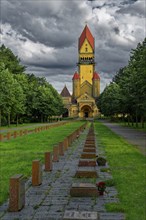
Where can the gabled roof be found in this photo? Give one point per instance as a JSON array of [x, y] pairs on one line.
[[65, 92], [76, 76], [96, 76], [86, 34]]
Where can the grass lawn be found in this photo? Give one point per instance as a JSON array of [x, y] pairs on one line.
[[16, 155], [128, 167]]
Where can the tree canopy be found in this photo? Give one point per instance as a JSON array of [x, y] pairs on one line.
[[126, 94], [24, 96]]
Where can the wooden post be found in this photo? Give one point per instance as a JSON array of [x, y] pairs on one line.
[[36, 173], [15, 134], [55, 154], [61, 150], [65, 144], [48, 161], [1, 137], [17, 193], [8, 136]]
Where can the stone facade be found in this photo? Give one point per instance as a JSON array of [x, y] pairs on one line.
[[86, 82]]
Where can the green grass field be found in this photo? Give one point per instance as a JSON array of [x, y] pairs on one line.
[[128, 167], [17, 154]]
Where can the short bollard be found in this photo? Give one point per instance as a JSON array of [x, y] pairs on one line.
[[17, 193], [48, 161], [15, 134], [61, 150], [36, 172], [1, 137], [65, 144], [8, 136], [55, 153]]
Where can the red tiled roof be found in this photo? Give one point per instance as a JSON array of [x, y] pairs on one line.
[[65, 92], [86, 34], [76, 76], [96, 76]]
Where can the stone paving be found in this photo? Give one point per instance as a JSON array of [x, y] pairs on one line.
[[50, 200]]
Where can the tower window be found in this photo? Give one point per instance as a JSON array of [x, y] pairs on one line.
[[86, 49]]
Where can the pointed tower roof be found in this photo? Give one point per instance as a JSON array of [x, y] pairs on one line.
[[76, 76], [86, 34], [95, 76], [65, 92]]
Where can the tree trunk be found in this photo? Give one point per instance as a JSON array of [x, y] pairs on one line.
[[128, 120], [17, 120], [136, 119], [142, 121], [0, 117], [41, 118], [8, 119]]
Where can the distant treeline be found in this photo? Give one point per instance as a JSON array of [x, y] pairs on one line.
[[24, 97], [126, 94]]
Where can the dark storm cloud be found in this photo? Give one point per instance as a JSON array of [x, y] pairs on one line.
[[42, 21], [44, 34], [136, 9], [116, 30]]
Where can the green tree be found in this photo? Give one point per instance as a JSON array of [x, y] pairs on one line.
[[109, 100], [12, 62]]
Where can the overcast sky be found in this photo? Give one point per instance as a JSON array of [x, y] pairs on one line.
[[44, 34]]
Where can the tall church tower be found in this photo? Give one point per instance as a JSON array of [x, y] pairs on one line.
[[86, 82], [86, 64]]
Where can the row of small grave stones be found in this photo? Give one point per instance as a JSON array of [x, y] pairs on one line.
[[86, 168], [17, 182], [20, 133]]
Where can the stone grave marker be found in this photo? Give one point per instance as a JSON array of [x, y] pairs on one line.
[[56, 153], [36, 172], [83, 190], [61, 149], [89, 149], [17, 193], [48, 161], [80, 215], [88, 155], [87, 163], [86, 172]]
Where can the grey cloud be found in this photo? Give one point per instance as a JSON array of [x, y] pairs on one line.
[[135, 9], [116, 30], [43, 25], [42, 22]]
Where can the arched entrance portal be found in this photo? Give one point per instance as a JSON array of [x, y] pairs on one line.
[[86, 111]]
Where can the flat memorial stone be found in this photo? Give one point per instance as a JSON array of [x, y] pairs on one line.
[[83, 190], [80, 215], [88, 155], [90, 145], [87, 172], [88, 149], [87, 163]]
